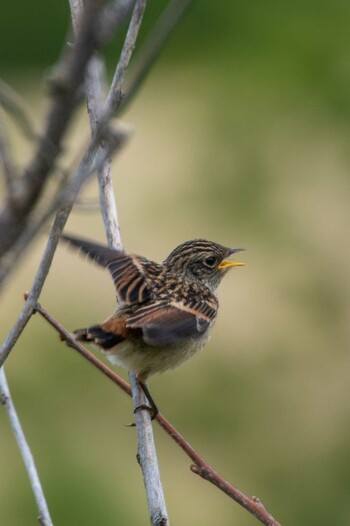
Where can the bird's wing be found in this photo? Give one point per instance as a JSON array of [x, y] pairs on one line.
[[126, 269], [171, 323]]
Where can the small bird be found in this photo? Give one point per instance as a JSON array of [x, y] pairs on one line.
[[165, 310]]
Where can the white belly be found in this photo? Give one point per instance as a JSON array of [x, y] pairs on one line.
[[154, 360]]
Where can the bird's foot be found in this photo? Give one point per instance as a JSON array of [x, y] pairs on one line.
[[152, 410], [143, 407]]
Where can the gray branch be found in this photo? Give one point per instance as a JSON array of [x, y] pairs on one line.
[[6, 400], [147, 458]]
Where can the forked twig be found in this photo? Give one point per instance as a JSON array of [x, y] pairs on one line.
[[252, 504]]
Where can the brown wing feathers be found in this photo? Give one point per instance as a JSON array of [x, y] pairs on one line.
[[166, 324], [126, 270], [98, 253]]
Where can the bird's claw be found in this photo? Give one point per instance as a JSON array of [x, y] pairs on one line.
[[152, 411]]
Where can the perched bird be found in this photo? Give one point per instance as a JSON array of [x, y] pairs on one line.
[[165, 311]]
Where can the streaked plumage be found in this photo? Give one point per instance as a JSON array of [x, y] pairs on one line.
[[165, 311]]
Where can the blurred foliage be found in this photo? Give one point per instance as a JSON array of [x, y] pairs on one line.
[[242, 136]]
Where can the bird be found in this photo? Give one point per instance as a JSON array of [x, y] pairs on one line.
[[165, 311]]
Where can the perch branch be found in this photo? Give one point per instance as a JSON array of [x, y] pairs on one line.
[[6, 400], [252, 504]]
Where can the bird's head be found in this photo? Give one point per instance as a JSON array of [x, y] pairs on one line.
[[202, 260]]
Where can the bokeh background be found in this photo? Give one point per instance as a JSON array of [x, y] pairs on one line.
[[241, 135]]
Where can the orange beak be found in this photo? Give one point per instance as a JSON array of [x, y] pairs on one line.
[[226, 263]]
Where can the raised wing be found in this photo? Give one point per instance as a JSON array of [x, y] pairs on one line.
[[126, 270], [169, 324]]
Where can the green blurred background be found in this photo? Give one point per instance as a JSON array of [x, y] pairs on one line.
[[241, 135]]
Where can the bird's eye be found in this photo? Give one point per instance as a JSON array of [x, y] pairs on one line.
[[210, 261]]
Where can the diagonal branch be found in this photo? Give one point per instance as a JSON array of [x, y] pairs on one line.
[[6, 400], [252, 504]]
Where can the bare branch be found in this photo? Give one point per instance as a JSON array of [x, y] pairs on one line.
[[94, 95], [147, 457], [252, 504], [115, 93], [26, 453]]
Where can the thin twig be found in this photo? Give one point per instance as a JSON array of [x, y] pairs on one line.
[[252, 504], [26, 453], [114, 98]]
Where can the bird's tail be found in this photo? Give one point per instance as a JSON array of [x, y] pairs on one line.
[[105, 340]]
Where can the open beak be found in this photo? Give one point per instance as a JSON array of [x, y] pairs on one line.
[[227, 263]]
